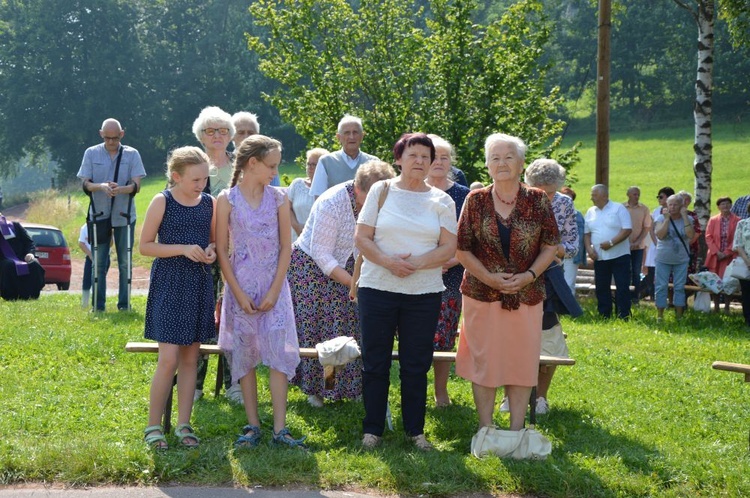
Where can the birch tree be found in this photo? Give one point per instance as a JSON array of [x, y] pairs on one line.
[[703, 12]]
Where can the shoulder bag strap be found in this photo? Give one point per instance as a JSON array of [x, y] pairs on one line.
[[678, 236], [117, 173]]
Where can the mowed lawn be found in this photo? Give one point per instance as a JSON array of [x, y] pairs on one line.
[[641, 414]]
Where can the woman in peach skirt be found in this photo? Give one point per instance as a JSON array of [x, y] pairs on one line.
[[507, 236]]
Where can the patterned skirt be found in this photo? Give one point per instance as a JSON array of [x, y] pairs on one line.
[[447, 327], [322, 311]]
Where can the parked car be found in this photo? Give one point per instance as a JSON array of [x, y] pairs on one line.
[[52, 252]]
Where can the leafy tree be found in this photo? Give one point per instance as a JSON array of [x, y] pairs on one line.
[[402, 67], [64, 67]]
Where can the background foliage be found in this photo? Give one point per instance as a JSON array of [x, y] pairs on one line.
[[153, 64]]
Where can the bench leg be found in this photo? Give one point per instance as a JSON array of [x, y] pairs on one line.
[[219, 376], [168, 408]]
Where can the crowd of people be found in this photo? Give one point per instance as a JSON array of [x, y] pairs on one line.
[[267, 270]]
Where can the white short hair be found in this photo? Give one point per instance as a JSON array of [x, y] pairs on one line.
[[349, 119], [496, 138], [246, 117], [212, 114]]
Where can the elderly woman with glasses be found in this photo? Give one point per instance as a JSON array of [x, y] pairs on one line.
[[214, 129], [299, 192]]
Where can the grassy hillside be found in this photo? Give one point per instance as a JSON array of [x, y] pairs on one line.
[[654, 159]]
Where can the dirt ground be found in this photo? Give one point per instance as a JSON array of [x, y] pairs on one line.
[[139, 281]]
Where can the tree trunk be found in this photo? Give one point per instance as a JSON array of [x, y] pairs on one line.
[[702, 110]]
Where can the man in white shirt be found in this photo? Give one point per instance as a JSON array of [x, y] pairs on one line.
[[607, 235], [341, 166]]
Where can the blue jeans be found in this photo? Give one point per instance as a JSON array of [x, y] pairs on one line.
[[123, 259], [619, 268], [382, 314], [661, 283], [636, 261]]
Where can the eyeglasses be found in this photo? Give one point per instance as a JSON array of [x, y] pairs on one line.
[[312, 165], [245, 132], [212, 131], [113, 139]]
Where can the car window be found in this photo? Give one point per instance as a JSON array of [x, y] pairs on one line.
[[46, 238]]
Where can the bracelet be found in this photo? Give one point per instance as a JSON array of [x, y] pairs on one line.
[[532, 273], [611, 244]]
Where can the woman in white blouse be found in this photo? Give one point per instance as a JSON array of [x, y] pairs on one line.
[[405, 244], [299, 192], [320, 275]]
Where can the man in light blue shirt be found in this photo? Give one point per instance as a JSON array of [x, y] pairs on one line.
[[111, 200]]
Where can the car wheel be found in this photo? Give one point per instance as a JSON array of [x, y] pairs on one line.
[[63, 286]]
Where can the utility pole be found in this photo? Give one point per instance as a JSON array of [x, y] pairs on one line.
[[603, 64]]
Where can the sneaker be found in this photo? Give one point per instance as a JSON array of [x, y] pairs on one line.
[[234, 394], [198, 395], [315, 401], [422, 443], [370, 441], [542, 407], [504, 406]]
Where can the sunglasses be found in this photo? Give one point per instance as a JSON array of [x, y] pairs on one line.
[[212, 131]]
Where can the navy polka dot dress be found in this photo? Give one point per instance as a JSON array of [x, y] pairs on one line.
[[180, 306]]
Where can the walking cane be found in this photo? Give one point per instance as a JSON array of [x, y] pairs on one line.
[[129, 242], [91, 216]]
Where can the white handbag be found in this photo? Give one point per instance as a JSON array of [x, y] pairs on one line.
[[523, 444], [737, 268]]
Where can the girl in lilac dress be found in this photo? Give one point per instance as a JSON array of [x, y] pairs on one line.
[[257, 318]]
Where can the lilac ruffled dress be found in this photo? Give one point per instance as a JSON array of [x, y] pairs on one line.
[[269, 337]]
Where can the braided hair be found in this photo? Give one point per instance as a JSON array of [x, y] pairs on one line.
[[257, 146]]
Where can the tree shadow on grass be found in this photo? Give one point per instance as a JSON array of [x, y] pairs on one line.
[[576, 439]]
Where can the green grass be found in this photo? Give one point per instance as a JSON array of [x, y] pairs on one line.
[[640, 414], [654, 159]]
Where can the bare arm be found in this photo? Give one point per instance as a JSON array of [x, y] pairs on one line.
[[285, 257], [150, 247], [223, 209], [445, 250]]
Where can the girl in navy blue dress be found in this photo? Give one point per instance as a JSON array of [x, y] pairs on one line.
[[179, 232]]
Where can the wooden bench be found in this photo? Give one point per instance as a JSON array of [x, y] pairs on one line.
[[211, 349], [734, 367]]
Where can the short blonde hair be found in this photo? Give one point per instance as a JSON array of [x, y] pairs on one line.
[[183, 157]]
